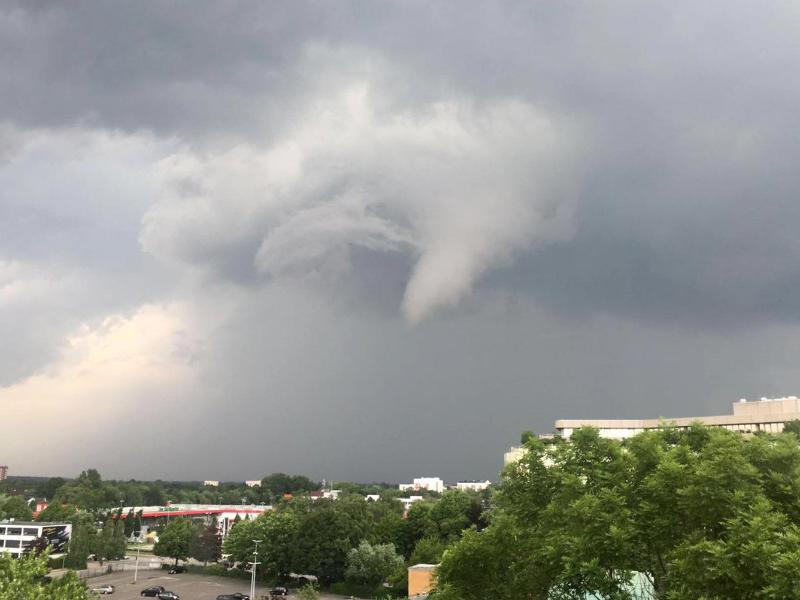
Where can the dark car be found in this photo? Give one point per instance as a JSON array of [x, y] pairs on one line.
[[278, 592], [178, 569], [236, 596], [153, 591], [168, 596]]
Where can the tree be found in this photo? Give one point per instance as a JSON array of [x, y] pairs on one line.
[[428, 550], [308, 592], [104, 542], [129, 524], [207, 543], [137, 526], [16, 508], [325, 535], [175, 541], [24, 579], [118, 541], [81, 544], [674, 514], [56, 512], [370, 565], [792, 427]]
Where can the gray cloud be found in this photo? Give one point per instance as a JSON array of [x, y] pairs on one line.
[[587, 210]]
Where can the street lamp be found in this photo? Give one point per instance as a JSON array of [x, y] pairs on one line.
[[136, 568], [253, 571]]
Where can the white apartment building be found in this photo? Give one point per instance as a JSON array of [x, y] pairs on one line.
[[473, 486], [17, 537], [432, 484], [253, 483], [211, 483]]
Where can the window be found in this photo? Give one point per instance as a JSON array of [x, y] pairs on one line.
[[12, 543], [15, 531], [2, 530], [2, 543], [31, 531]]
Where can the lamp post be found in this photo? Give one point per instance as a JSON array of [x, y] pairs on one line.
[[253, 571], [136, 568]]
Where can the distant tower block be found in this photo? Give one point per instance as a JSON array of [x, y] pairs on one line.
[[3, 472]]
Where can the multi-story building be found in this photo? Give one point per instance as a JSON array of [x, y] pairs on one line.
[[432, 484], [253, 483], [211, 483], [473, 486], [17, 537], [767, 414], [3, 472]]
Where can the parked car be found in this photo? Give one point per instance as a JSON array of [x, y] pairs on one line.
[[236, 596], [153, 591], [104, 589], [168, 596], [278, 592], [177, 569]]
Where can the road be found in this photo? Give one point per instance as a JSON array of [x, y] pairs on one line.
[[187, 586]]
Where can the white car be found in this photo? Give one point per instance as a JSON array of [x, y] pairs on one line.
[[104, 589]]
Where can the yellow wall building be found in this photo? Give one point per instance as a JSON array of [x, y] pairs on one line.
[[421, 580]]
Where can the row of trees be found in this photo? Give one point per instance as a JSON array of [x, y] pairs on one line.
[[91, 493], [671, 514], [334, 540]]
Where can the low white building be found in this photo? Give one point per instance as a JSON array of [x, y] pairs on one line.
[[407, 502], [432, 484], [473, 486], [253, 483], [211, 483], [17, 537]]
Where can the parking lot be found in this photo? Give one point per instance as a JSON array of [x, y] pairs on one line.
[[187, 586]]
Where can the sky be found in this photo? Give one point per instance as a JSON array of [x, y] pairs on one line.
[[371, 241]]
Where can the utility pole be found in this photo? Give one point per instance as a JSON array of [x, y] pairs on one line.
[[254, 563], [136, 569]]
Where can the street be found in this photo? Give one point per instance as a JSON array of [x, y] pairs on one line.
[[187, 586]]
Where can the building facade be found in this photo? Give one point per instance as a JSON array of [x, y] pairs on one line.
[[767, 414], [432, 484], [473, 486], [3, 472], [747, 417], [17, 537]]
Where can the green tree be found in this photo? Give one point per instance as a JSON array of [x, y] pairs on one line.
[[81, 544], [129, 523], [792, 427], [175, 541], [207, 543], [370, 565], [16, 508], [325, 536], [104, 548], [118, 541], [56, 512], [308, 592], [24, 579], [679, 514], [428, 550]]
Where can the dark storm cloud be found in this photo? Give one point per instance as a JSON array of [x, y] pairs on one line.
[[688, 202], [588, 210]]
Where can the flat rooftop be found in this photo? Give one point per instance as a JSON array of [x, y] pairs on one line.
[[765, 410]]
